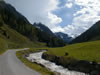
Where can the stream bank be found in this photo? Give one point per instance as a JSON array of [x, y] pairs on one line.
[[91, 68], [37, 58]]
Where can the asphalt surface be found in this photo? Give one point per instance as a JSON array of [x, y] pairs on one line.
[[11, 65]]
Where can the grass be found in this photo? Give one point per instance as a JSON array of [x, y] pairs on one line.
[[16, 40], [31, 65], [3, 46], [9, 39], [83, 51]]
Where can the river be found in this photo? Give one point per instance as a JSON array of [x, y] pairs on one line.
[[37, 58]]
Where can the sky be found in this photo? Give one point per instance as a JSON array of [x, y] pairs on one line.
[[72, 17]]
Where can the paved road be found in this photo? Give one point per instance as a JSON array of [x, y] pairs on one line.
[[11, 65]]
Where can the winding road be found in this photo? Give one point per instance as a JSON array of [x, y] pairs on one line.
[[11, 65]]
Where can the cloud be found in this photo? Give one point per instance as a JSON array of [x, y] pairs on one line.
[[85, 17], [54, 19], [38, 10], [57, 29], [69, 5]]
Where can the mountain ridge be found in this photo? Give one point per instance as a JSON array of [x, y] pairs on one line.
[[43, 28], [64, 36], [92, 34]]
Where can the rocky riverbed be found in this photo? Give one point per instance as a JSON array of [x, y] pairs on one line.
[[60, 70]]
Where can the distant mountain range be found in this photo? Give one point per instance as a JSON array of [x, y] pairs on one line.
[[64, 36], [59, 35], [91, 34]]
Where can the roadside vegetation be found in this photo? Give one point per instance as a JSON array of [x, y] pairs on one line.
[[34, 66], [3, 46]]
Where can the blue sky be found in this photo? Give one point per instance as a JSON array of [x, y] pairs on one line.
[[66, 13], [72, 17]]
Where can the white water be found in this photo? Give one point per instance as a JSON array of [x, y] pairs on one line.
[[36, 57]]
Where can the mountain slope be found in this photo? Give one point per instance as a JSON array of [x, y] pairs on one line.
[[43, 28], [46, 35], [15, 39], [16, 22], [11, 23], [9, 38], [64, 36], [90, 35]]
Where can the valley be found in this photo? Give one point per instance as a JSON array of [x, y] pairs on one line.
[[65, 54]]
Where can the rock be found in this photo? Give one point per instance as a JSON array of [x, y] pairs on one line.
[[94, 63], [98, 67], [49, 57], [82, 66], [66, 54], [95, 72], [25, 55], [57, 73]]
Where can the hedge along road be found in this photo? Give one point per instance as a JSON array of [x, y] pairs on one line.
[[11, 65]]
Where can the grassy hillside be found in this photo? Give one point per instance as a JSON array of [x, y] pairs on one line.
[[82, 51], [9, 38], [3, 45]]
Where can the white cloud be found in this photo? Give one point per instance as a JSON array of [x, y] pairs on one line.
[[69, 5], [38, 10], [54, 19], [58, 29], [85, 17]]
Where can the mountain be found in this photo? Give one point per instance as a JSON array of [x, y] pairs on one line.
[[91, 34], [63, 36], [46, 35], [43, 28], [59, 35], [16, 30]]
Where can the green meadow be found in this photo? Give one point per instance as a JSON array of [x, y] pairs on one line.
[[83, 51]]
